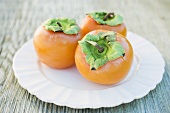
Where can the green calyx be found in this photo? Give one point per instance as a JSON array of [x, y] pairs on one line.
[[106, 18], [66, 25], [106, 40]]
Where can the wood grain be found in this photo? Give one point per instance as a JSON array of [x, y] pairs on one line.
[[20, 18]]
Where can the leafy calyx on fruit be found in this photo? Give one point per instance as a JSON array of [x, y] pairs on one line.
[[101, 48], [66, 25], [106, 18]]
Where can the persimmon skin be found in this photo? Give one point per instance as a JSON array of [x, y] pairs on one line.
[[89, 24], [55, 49], [113, 71]]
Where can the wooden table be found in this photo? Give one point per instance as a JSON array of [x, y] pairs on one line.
[[20, 18]]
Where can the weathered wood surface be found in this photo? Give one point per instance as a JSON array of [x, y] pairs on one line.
[[20, 18]]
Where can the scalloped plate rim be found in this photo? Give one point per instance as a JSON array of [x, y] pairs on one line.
[[71, 105]]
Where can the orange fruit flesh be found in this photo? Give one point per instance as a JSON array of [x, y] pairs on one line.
[[56, 49], [113, 71], [89, 24]]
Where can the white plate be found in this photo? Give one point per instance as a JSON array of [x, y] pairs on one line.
[[66, 87]]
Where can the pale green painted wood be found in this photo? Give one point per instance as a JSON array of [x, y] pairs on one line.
[[20, 18]]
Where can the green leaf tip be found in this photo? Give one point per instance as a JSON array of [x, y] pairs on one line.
[[66, 25], [106, 40], [106, 18]]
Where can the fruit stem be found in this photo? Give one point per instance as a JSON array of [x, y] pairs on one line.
[[59, 24], [108, 15], [100, 49]]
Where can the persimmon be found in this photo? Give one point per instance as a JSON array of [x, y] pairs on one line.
[[105, 21], [104, 57], [55, 42]]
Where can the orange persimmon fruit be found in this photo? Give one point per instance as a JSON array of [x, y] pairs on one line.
[[108, 66], [55, 42], [105, 21]]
